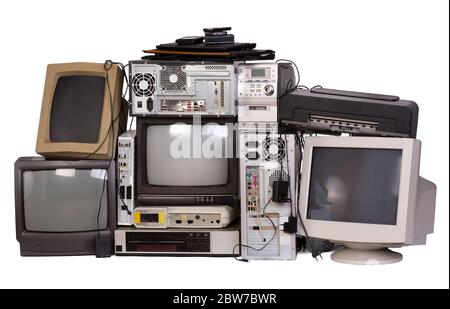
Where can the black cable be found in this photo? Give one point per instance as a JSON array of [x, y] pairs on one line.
[[315, 253], [131, 123], [263, 247], [107, 66], [298, 141], [288, 90], [126, 80], [253, 248], [288, 173], [267, 204], [123, 202], [99, 207], [125, 75], [289, 87]]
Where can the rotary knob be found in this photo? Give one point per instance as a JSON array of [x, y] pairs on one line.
[[269, 90]]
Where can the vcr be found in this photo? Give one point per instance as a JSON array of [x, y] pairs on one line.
[[189, 242]]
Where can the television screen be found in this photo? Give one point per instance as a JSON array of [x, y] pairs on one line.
[[187, 155], [64, 200], [77, 109], [354, 185]]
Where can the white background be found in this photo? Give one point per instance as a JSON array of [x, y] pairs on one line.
[[390, 47]]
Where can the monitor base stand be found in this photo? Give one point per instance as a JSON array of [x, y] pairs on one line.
[[375, 256]]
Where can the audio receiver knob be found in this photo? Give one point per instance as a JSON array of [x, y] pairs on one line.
[[268, 90]]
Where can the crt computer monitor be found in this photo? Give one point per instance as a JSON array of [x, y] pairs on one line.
[[80, 102], [366, 193], [58, 203], [186, 161]]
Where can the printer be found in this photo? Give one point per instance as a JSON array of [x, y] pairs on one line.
[[330, 111]]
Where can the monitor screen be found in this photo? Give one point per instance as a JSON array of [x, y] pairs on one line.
[[64, 200], [187, 155], [354, 185], [77, 109]]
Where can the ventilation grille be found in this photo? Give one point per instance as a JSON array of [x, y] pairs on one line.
[[173, 78], [344, 122], [215, 67], [143, 84], [276, 176], [274, 149]]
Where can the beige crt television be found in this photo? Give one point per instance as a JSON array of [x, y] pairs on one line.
[[365, 193], [82, 112]]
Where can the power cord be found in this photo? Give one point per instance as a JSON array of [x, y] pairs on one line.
[[263, 247], [291, 225], [289, 85], [300, 141], [107, 66]]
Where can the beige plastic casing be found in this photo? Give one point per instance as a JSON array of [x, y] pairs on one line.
[[416, 200], [106, 151]]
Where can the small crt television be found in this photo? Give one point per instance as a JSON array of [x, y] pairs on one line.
[[365, 193], [186, 161], [82, 111], [65, 207]]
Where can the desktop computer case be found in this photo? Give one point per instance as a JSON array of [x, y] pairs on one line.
[[259, 167], [159, 87], [126, 173]]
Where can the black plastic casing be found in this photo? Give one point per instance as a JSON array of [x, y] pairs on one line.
[[393, 116], [95, 242]]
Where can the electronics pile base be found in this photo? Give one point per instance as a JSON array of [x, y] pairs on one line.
[[172, 242]]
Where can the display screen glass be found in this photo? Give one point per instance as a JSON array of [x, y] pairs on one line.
[[354, 185], [188, 155], [259, 72], [77, 107], [64, 200]]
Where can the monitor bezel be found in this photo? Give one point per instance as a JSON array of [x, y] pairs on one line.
[[70, 150], [34, 243], [351, 232], [143, 188]]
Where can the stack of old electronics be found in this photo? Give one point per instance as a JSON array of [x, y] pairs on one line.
[[178, 172], [66, 199], [218, 164], [186, 192]]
